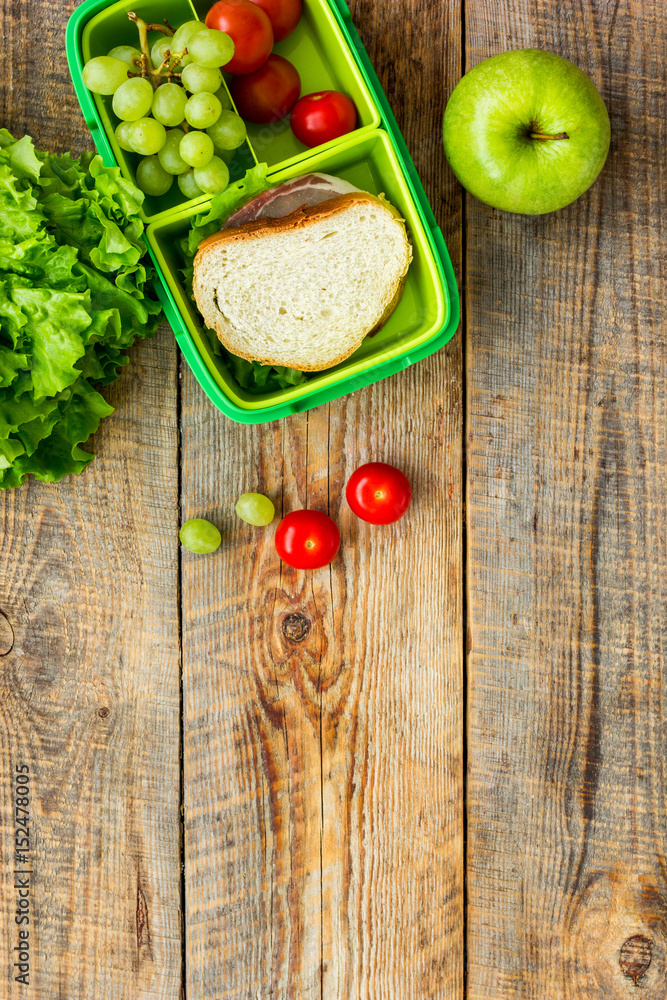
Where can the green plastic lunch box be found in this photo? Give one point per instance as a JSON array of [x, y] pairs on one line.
[[328, 54]]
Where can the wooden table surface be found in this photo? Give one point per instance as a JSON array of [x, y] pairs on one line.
[[438, 768]]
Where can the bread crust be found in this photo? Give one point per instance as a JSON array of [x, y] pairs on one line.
[[297, 220]]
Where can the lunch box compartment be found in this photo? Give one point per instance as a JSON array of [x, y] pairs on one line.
[[324, 61], [317, 48], [328, 54], [103, 32], [369, 162]]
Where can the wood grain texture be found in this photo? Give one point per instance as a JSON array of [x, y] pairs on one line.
[[89, 699], [323, 711], [89, 657], [36, 92], [567, 444]]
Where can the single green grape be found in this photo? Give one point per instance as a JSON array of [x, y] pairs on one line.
[[169, 156], [255, 508], [127, 54], [123, 136], [226, 155], [169, 104], [188, 185], [151, 177], [147, 136], [228, 132], [211, 48], [224, 98], [198, 79], [202, 110], [104, 74], [199, 535], [185, 33], [158, 50], [196, 149], [214, 177], [133, 99]]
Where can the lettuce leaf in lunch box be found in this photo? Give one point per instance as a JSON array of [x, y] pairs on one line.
[[265, 378], [74, 296], [250, 375], [225, 204]]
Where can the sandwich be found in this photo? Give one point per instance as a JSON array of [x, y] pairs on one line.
[[302, 273]]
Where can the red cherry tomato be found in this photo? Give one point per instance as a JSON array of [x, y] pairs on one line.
[[284, 15], [268, 94], [307, 539], [378, 493], [321, 117], [249, 29]]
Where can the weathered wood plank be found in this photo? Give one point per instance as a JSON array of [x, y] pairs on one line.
[[89, 693], [323, 785], [35, 88], [89, 700], [567, 551]]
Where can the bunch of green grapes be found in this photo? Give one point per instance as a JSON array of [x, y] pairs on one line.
[[172, 107]]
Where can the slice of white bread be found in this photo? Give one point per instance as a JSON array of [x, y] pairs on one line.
[[303, 291]]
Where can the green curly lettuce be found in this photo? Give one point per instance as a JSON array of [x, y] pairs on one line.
[[75, 294]]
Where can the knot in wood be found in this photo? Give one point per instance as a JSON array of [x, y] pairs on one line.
[[6, 634], [635, 956], [296, 627], [103, 712]]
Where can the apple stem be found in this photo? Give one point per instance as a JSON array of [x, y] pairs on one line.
[[544, 137]]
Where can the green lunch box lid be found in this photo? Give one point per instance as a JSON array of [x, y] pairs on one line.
[[308, 395]]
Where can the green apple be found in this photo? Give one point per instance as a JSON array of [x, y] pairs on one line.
[[526, 131]]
